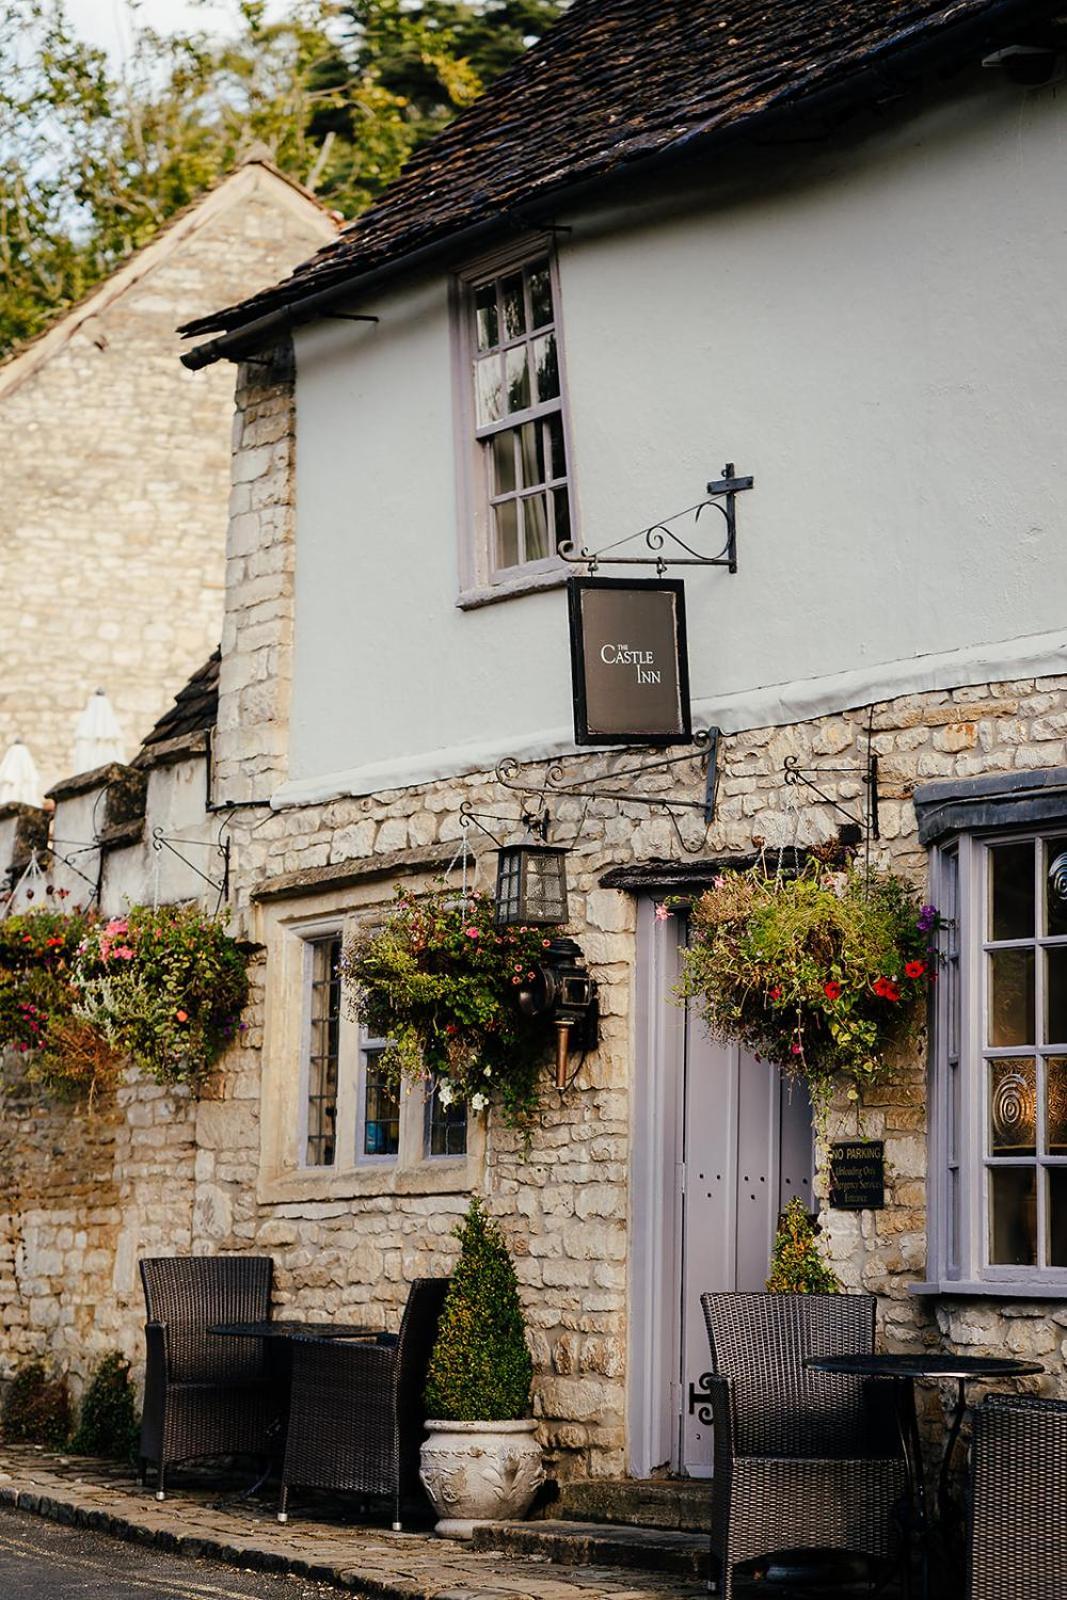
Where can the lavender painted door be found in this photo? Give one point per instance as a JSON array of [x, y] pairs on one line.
[[747, 1149]]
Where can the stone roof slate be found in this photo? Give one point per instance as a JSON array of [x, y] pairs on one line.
[[612, 84], [195, 708]]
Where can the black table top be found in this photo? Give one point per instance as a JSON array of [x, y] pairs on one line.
[[936, 1364], [293, 1328]]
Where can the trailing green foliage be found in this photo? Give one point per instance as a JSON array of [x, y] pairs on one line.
[[107, 1420], [796, 1265], [480, 1370], [36, 1408], [93, 161], [440, 982], [818, 972], [162, 988]]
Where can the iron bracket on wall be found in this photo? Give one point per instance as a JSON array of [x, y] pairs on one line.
[[661, 536], [222, 847], [614, 786], [797, 776]]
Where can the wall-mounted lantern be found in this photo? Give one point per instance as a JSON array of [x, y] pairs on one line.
[[531, 884], [563, 990]]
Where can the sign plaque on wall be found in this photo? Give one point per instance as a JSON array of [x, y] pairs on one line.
[[857, 1175], [629, 664]]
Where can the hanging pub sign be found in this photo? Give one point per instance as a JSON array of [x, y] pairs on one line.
[[857, 1174], [630, 671]]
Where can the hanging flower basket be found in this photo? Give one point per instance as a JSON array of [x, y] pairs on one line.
[[441, 982], [819, 972]]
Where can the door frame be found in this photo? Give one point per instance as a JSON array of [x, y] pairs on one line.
[[655, 1232]]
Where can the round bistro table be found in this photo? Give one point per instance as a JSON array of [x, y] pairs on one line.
[[903, 1370]]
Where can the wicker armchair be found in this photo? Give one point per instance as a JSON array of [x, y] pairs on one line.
[[204, 1395], [356, 1410], [1018, 1541], [803, 1460]]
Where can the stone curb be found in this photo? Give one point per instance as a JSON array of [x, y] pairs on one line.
[[547, 1583]]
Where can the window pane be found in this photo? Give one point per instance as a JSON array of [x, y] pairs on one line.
[[486, 317], [1011, 997], [1012, 1217], [1056, 995], [540, 294], [381, 1118], [547, 365], [321, 1145], [532, 451], [563, 516], [504, 462], [1011, 890], [507, 533], [557, 455], [1056, 890], [535, 527], [490, 390], [1057, 1216], [514, 310], [1012, 1107], [518, 378], [1056, 1105], [446, 1127]]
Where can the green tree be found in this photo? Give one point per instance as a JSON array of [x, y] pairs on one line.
[[93, 162], [797, 1267]]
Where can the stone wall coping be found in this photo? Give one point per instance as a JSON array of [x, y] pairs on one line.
[[15, 808], [999, 799], [687, 876], [968, 1289], [83, 782], [343, 874], [121, 834], [168, 752]]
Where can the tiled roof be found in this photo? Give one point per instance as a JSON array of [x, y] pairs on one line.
[[195, 708], [614, 83]]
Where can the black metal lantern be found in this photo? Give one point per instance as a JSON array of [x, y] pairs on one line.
[[531, 884]]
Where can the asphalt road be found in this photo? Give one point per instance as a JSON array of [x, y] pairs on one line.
[[41, 1560]]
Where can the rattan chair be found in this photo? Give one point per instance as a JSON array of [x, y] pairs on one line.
[[356, 1409], [803, 1460], [1018, 1539], [205, 1395]]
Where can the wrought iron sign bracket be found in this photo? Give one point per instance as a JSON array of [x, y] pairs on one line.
[[808, 778], [222, 847], [614, 786], [666, 546]]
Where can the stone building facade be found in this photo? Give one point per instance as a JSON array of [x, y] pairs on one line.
[[364, 700], [116, 469]]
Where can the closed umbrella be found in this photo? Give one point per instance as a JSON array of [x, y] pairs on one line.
[[19, 780], [97, 736]]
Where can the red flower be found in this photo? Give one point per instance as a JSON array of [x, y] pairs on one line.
[[914, 969], [775, 993], [832, 990], [886, 989], [182, 1016]]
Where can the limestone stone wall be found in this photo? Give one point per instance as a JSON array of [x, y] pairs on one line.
[[178, 1176], [116, 464]]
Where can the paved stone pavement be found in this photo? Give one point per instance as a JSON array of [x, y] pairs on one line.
[[368, 1561], [41, 1561]]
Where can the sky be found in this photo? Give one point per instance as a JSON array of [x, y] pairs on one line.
[[107, 22]]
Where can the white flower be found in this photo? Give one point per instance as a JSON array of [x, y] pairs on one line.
[[478, 1102], [487, 1072], [445, 1092]]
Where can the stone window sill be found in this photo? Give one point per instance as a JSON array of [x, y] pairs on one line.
[[428, 1178], [551, 577], [976, 1289]]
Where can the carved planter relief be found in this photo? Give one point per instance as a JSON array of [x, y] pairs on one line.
[[480, 1472]]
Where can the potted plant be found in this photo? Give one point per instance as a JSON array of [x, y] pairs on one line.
[[440, 981], [797, 1266], [481, 1461], [818, 971]]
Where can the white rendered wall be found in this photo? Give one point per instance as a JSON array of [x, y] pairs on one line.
[[878, 338]]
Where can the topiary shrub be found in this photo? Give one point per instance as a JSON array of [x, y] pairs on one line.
[[480, 1369], [107, 1422], [36, 1407], [796, 1265]]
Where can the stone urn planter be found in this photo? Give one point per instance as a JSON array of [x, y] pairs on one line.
[[480, 1472]]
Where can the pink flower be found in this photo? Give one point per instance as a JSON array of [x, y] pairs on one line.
[[473, 932], [118, 925], [662, 912], [796, 1049], [123, 952]]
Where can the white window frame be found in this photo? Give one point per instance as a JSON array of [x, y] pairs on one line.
[[958, 1179], [289, 931], [480, 582]]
